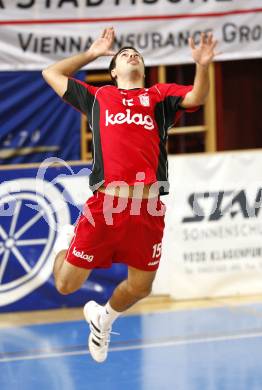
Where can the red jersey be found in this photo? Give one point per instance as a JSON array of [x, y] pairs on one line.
[[129, 130]]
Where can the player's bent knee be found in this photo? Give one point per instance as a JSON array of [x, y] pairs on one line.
[[65, 288], [140, 292]]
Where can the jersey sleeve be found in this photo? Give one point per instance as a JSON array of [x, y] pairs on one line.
[[80, 95], [172, 95]]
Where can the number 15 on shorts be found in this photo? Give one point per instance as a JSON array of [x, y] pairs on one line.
[[157, 249]]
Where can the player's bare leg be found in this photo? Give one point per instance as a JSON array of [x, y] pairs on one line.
[[137, 286], [68, 278]]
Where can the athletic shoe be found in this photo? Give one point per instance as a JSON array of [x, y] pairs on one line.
[[99, 339], [64, 238]]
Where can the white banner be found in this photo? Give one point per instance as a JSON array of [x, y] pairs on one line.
[[35, 33], [212, 244]]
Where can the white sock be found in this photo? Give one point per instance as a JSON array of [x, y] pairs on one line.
[[108, 316], [64, 238]]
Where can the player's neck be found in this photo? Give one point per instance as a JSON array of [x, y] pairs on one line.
[[130, 84]]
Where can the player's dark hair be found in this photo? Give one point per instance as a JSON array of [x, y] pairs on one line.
[[112, 64]]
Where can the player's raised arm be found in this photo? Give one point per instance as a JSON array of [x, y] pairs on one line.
[[56, 75], [203, 55]]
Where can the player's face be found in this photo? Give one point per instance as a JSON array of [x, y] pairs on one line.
[[127, 61]]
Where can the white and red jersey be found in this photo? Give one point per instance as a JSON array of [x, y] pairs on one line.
[[129, 130]]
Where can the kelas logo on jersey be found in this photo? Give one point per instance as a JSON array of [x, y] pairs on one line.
[[82, 255], [137, 119], [128, 102], [144, 100]]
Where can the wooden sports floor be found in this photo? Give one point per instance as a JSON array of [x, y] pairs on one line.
[[162, 345]]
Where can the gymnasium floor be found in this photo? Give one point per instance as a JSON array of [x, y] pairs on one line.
[[214, 345]]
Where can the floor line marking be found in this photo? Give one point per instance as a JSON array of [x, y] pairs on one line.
[[137, 347]]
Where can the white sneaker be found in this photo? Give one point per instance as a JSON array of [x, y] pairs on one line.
[[64, 238], [99, 339]]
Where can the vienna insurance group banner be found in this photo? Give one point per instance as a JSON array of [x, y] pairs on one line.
[[212, 244], [35, 33]]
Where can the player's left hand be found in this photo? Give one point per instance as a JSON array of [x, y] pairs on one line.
[[204, 53]]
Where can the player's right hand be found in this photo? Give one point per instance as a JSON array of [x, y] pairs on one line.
[[103, 45]]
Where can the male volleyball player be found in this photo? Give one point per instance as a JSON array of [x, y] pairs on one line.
[[129, 124]]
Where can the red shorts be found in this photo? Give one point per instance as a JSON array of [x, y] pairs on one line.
[[119, 230]]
